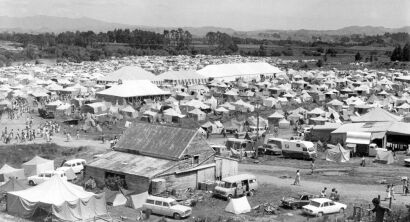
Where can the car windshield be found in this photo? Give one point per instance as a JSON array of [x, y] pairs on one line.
[[173, 203], [227, 185], [67, 164], [315, 204]]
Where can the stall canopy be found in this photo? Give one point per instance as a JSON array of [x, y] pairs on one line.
[[64, 200], [7, 172], [358, 137], [337, 154], [37, 165]]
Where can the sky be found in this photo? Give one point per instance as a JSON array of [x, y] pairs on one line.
[[243, 15]]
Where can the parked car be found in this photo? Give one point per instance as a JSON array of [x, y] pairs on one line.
[[269, 149], [299, 201], [320, 206], [166, 206], [77, 165], [45, 114], [237, 185], [42, 177]]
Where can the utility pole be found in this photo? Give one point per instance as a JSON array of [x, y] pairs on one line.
[[257, 130]]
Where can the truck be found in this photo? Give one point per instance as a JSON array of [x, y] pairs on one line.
[[297, 149]]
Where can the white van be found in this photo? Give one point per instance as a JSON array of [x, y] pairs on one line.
[[238, 185], [297, 149], [77, 165]]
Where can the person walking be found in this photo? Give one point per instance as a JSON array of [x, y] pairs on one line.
[[312, 166], [297, 178], [392, 192], [363, 163], [78, 134], [388, 192]]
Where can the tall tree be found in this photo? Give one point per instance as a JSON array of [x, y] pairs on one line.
[[396, 55], [357, 57], [405, 54]]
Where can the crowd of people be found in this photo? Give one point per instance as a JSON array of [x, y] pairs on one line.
[[44, 130], [17, 110]]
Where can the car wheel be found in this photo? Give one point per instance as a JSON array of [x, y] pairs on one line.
[[148, 212], [229, 197], [341, 210], [31, 183], [251, 193], [177, 216], [320, 214]]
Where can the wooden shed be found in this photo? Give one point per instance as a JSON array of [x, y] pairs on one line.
[[146, 151]]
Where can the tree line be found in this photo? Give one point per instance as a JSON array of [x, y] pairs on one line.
[[84, 46], [401, 54]]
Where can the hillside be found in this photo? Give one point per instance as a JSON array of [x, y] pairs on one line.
[[38, 24]]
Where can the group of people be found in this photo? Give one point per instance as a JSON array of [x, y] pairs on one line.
[[334, 195], [18, 108], [25, 135], [390, 192]]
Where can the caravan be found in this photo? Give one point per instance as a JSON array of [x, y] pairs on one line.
[[297, 149]]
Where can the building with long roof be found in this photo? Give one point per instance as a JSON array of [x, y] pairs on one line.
[[132, 91], [128, 73], [231, 72]]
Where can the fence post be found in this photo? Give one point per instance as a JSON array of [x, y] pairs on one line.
[[391, 198]]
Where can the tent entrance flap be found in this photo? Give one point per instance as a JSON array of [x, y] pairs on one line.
[[358, 137]]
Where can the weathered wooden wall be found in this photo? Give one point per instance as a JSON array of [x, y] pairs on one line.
[[134, 183], [225, 167]]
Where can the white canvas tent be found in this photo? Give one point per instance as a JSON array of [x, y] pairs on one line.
[[7, 172], [37, 165], [384, 156], [64, 200], [136, 200], [337, 154], [115, 198], [238, 206]]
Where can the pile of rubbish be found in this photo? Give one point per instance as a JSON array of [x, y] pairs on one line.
[[267, 209]]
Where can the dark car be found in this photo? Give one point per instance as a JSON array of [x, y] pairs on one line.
[[45, 114], [297, 202], [269, 149]]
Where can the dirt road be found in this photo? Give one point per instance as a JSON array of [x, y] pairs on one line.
[[351, 191]]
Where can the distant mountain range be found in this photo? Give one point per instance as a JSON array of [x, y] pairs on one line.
[[39, 24]]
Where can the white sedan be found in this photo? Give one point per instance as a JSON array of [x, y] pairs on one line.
[[321, 206], [42, 177]]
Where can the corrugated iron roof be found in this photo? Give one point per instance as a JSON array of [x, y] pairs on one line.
[[132, 164], [158, 141]]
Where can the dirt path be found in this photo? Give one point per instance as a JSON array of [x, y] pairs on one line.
[[352, 191]]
